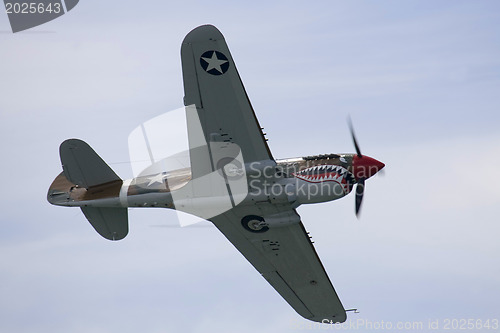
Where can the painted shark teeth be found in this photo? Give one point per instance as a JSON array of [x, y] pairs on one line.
[[321, 173]]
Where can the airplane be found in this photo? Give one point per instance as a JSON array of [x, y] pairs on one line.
[[227, 148]]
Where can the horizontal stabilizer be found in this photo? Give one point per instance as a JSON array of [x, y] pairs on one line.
[[82, 166], [110, 223]]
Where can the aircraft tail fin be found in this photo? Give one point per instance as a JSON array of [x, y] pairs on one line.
[[82, 166]]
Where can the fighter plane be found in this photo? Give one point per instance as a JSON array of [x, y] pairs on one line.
[[233, 181]]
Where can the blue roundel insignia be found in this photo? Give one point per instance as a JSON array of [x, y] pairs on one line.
[[214, 62]]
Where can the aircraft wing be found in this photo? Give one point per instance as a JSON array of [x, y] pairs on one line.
[[284, 255], [286, 258], [213, 85]]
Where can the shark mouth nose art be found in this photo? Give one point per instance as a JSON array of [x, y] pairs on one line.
[[326, 173]]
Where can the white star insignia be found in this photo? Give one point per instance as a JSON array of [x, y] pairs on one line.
[[156, 179], [214, 62]]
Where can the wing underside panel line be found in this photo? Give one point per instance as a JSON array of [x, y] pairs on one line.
[[278, 283]]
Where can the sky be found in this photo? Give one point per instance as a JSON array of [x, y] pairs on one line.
[[421, 81]]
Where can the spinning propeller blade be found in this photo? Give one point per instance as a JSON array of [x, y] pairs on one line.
[[363, 168], [351, 128], [360, 189]]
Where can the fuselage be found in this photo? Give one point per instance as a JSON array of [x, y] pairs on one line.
[[294, 181]]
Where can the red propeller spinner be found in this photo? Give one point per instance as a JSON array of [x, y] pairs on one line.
[[365, 166]]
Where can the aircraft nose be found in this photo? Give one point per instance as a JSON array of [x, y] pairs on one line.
[[365, 166]]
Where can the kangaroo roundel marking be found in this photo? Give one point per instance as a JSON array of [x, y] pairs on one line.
[[214, 62]]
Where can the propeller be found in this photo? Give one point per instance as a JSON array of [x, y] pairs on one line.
[[360, 183], [356, 146], [360, 190], [363, 167]]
